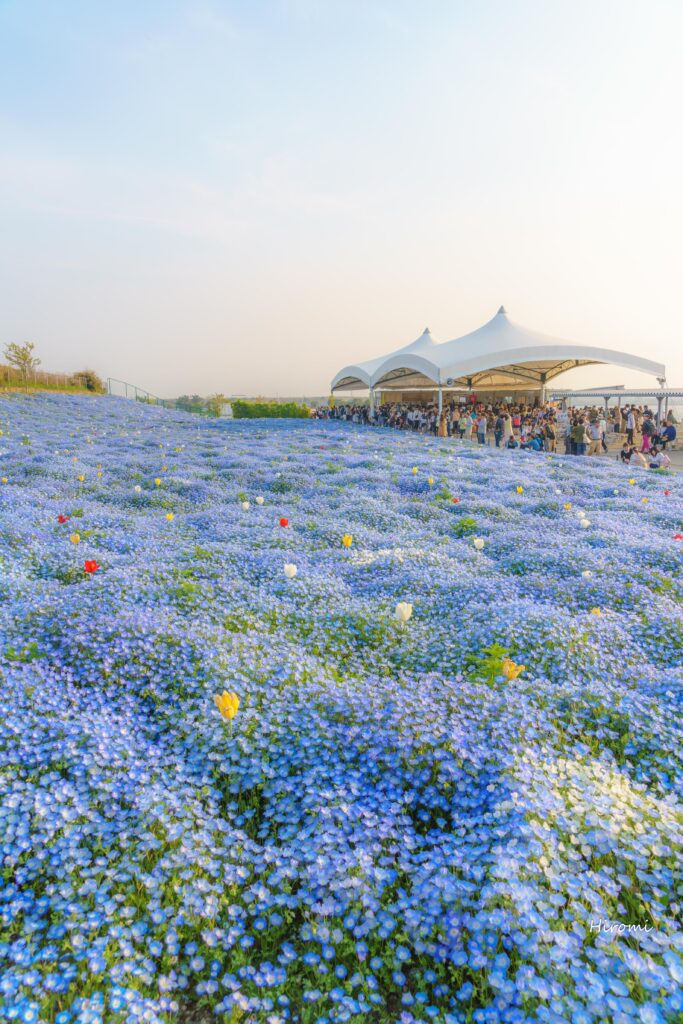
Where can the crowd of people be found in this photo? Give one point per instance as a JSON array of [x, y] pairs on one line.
[[537, 427]]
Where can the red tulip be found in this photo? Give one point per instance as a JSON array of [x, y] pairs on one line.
[[63, 519], [90, 565], [667, 493], [284, 522], [456, 501], [678, 536]]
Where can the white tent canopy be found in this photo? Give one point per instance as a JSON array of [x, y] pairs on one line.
[[501, 354]]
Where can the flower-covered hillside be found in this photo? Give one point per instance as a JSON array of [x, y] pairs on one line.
[[442, 778]]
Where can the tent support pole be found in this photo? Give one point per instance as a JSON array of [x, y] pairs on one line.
[[440, 400], [660, 399], [372, 402]]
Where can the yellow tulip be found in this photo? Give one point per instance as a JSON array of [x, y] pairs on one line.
[[631, 481], [644, 501], [511, 670], [595, 611], [347, 540], [414, 469], [164, 468], [520, 489], [228, 704], [99, 472], [157, 481], [430, 480], [80, 477], [568, 505], [169, 516], [4, 479], [75, 538]]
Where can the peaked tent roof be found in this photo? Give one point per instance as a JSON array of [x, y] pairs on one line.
[[363, 374], [500, 354]]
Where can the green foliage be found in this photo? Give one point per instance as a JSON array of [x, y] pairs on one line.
[[488, 665], [242, 410], [88, 380], [465, 526], [27, 654], [21, 357], [214, 405], [281, 486]]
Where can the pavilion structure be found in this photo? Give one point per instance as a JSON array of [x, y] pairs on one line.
[[501, 357], [662, 396]]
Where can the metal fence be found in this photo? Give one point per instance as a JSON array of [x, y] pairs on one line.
[[123, 389], [13, 378]]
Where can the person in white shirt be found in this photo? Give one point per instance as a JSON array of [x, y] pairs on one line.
[[603, 433], [596, 438], [659, 460], [630, 426]]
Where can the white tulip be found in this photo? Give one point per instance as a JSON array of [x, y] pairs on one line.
[[290, 570], [587, 573], [245, 506], [478, 543], [137, 489], [403, 611], [585, 523], [260, 500]]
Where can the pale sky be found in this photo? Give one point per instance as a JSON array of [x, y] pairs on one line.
[[245, 196]]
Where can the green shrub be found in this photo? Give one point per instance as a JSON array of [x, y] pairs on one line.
[[89, 380], [242, 410]]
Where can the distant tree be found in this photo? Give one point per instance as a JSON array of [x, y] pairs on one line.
[[190, 403], [89, 380], [215, 404], [21, 357]]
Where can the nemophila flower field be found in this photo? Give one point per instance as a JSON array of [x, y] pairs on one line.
[[442, 778]]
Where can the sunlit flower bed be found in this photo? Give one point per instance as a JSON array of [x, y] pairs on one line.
[[320, 723]]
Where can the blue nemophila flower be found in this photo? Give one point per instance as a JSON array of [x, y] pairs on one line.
[[398, 825]]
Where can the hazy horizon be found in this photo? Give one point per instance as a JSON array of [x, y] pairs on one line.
[[213, 196]]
